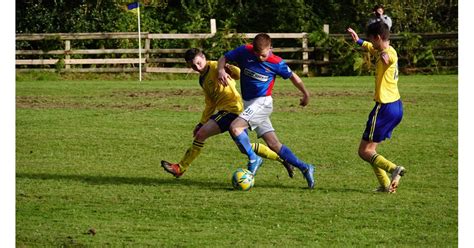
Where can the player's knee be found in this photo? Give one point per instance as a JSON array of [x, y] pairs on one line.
[[201, 136], [275, 146], [232, 131], [235, 131], [365, 153], [361, 153]]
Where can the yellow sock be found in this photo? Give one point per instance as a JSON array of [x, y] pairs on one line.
[[383, 163], [190, 155], [265, 152], [382, 177]]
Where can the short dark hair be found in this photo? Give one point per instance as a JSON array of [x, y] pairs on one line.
[[190, 54], [378, 6], [261, 41], [379, 28]]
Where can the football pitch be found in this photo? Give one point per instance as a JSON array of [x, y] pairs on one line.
[[88, 168]]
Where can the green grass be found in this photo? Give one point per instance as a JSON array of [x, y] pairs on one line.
[[88, 153]]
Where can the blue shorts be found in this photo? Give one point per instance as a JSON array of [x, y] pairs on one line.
[[382, 120], [224, 119]]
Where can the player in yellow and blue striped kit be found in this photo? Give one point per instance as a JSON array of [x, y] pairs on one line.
[[388, 110], [223, 105]]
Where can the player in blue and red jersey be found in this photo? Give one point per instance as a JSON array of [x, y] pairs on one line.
[[259, 68]]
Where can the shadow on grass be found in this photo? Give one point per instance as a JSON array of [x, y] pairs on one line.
[[148, 181], [117, 180], [342, 190], [188, 182]]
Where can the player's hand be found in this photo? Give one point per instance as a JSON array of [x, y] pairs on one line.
[[353, 34], [228, 69], [223, 77], [305, 100]]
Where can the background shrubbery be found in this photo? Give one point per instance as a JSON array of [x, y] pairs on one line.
[[239, 16], [53, 16]]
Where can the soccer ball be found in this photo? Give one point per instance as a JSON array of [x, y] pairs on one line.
[[242, 179]]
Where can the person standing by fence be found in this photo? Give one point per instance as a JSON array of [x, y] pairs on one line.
[[379, 15]]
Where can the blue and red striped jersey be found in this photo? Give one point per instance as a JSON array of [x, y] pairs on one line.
[[257, 78]]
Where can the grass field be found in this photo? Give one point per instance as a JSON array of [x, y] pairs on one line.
[[88, 174]]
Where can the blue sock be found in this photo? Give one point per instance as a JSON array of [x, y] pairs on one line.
[[286, 154], [243, 142]]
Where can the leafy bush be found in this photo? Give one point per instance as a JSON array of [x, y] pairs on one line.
[[158, 16]]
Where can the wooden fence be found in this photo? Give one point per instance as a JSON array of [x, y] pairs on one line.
[[147, 51], [152, 58]]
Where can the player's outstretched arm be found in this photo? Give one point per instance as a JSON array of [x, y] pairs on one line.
[[353, 34], [298, 83], [223, 75]]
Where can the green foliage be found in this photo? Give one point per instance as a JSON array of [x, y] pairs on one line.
[[423, 15], [197, 13], [161, 16], [38, 76], [216, 46], [273, 16], [244, 16], [88, 174], [345, 60], [50, 43], [413, 52], [78, 76], [60, 65]]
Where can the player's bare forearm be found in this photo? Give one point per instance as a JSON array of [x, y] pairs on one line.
[[298, 83], [353, 34], [221, 63], [223, 75], [233, 71]]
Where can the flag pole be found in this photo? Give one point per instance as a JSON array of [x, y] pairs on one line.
[[139, 43]]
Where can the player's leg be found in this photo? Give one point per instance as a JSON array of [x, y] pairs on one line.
[[286, 154], [381, 122], [367, 151], [249, 119], [381, 165], [265, 152], [207, 130], [395, 110], [238, 132], [395, 179], [210, 128]]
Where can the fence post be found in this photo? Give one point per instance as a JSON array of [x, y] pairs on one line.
[[147, 51], [305, 54], [213, 26], [67, 50], [324, 69]]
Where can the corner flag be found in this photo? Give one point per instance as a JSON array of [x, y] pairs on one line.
[[133, 5], [130, 6]]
